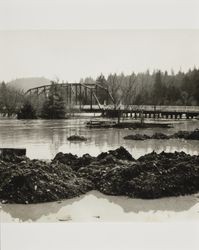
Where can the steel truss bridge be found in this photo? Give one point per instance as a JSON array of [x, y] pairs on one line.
[[86, 97], [78, 96]]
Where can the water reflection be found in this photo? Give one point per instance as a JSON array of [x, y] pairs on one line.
[[95, 206], [44, 138]]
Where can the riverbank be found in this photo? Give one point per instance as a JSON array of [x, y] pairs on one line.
[[114, 172]]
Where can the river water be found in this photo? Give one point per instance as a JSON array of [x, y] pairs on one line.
[[43, 139]]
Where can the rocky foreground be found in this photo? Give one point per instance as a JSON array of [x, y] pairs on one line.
[[114, 173]]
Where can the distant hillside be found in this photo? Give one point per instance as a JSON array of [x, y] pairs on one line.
[[27, 83]]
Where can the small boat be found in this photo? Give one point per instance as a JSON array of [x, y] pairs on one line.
[[100, 124]]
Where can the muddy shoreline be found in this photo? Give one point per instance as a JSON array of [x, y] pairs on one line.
[[114, 172]]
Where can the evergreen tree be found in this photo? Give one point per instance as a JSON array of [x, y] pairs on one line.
[[195, 80], [102, 94], [158, 89], [11, 99], [27, 111], [54, 106]]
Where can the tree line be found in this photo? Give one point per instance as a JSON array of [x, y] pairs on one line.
[[156, 88]]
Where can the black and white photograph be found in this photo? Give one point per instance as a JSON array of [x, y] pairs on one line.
[[99, 126]]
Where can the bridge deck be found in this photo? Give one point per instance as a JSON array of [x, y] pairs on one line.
[[147, 108]]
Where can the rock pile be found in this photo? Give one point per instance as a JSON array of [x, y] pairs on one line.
[[32, 181], [73, 161], [151, 176], [113, 173]]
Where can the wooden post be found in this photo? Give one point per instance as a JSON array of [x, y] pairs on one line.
[[118, 116], [135, 115], [85, 95], [70, 94], [67, 94], [91, 99], [107, 97], [76, 94], [80, 95], [96, 92]]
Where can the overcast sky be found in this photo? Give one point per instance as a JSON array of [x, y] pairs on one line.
[[70, 55]]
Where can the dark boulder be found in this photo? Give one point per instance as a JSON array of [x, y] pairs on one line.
[[67, 158], [12, 154], [73, 161], [120, 153]]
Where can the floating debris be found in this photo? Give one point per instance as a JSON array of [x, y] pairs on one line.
[[76, 138]]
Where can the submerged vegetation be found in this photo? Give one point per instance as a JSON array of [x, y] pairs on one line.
[[187, 135]]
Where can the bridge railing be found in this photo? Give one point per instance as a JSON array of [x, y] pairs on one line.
[[160, 108], [132, 108]]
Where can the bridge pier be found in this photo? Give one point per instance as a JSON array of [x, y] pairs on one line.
[[135, 115]]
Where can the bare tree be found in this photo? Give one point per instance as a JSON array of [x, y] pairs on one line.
[[11, 99]]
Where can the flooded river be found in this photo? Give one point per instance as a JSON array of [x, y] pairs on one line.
[[43, 139]]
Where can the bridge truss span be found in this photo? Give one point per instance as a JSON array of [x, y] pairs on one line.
[[76, 95]]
